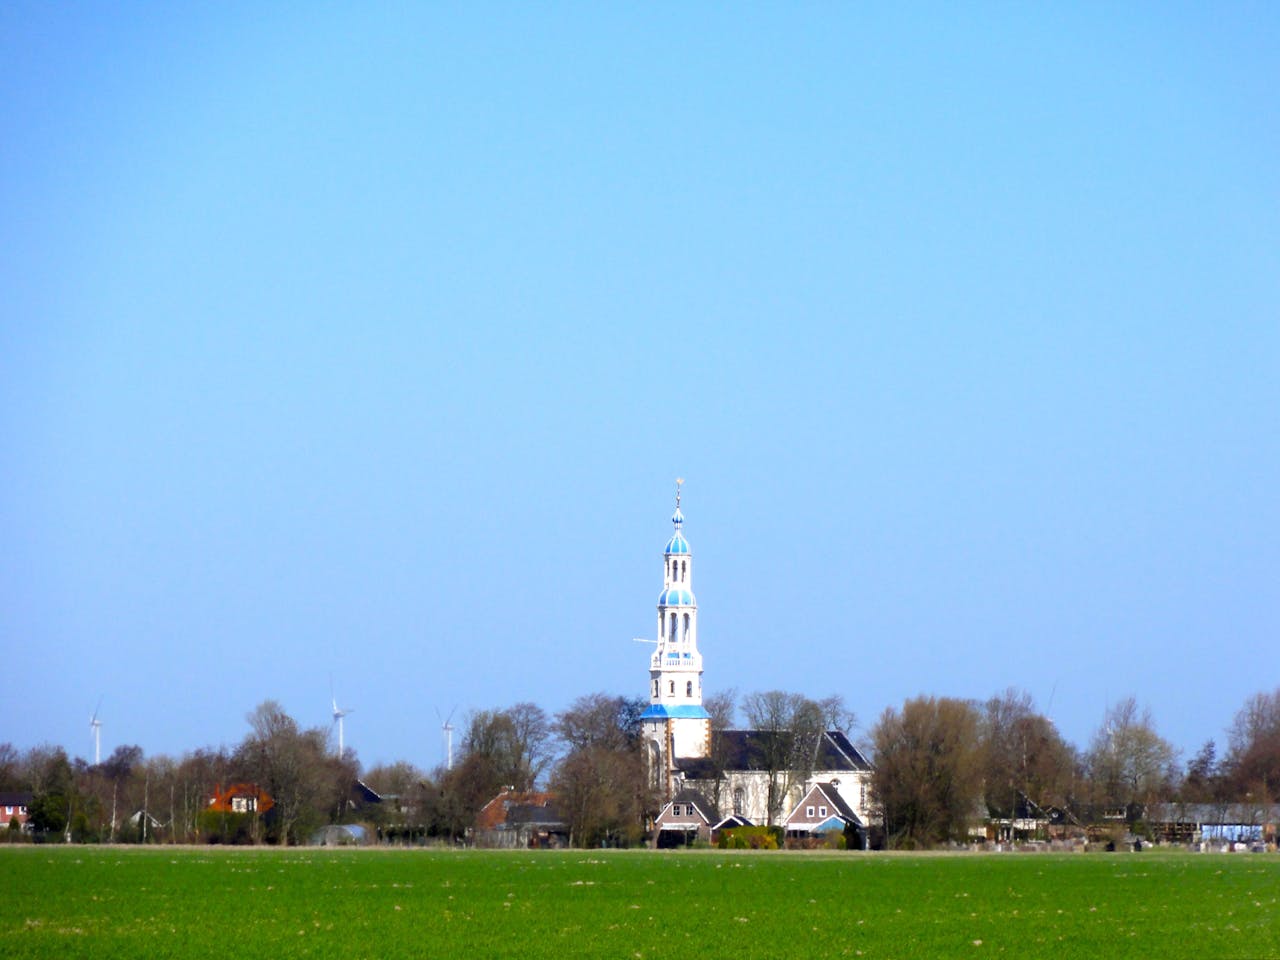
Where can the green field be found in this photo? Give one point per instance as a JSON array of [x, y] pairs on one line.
[[68, 902]]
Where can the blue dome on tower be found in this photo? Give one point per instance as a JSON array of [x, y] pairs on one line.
[[677, 544], [676, 597]]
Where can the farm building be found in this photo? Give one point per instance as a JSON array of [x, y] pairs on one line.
[[521, 820], [1214, 822]]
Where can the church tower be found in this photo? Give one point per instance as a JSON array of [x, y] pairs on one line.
[[675, 723]]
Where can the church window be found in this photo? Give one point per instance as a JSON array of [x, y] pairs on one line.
[[688, 689], [673, 688], [673, 626], [684, 570], [739, 799], [862, 795], [686, 628], [655, 688]]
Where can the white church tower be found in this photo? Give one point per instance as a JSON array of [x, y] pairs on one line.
[[676, 724]]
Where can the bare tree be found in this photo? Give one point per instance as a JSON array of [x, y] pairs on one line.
[[292, 766], [1023, 754], [601, 781], [1253, 761], [928, 772], [723, 707], [788, 729], [1129, 763]]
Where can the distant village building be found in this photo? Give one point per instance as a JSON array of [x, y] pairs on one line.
[[521, 820], [16, 807], [703, 776]]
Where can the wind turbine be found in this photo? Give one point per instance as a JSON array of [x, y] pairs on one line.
[[338, 714], [95, 725], [446, 733]]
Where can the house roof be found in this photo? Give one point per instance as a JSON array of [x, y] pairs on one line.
[[830, 794], [707, 811], [15, 798], [747, 750], [222, 799], [1250, 814], [510, 807]]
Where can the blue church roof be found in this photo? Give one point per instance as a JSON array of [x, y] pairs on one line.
[[676, 598], [677, 544], [688, 711]]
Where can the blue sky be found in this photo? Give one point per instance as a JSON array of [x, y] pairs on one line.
[[369, 343]]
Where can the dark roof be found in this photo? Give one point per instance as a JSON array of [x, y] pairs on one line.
[[733, 820], [700, 801], [1214, 813], [534, 814], [747, 749], [14, 798], [365, 793]]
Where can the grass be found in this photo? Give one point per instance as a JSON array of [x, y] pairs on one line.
[[69, 902]]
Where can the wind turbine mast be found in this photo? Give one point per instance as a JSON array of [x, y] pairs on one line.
[[446, 732], [338, 714], [95, 726]]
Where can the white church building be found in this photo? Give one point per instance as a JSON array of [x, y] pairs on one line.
[[728, 771]]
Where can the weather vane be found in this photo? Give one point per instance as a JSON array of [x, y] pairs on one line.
[[679, 484]]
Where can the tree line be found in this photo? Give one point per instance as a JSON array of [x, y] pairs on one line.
[[939, 763]]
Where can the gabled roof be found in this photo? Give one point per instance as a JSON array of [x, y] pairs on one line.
[[828, 794], [222, 799], [15, 798], [706, 810], [731, 821], [747, 749]]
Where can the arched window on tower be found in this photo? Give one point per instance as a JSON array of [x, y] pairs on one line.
[[655, 688], [673, 627], [684, 570], [686, 628], [672, 688], [688, 688]]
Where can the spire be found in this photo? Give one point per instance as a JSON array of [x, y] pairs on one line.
[[678, 518]]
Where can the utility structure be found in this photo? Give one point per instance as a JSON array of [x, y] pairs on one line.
[[338, 715], [95, 727], [446, 735]]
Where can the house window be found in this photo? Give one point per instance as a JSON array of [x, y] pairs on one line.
[[688, 689], [808, 812], [822, 811], [739, 798]]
